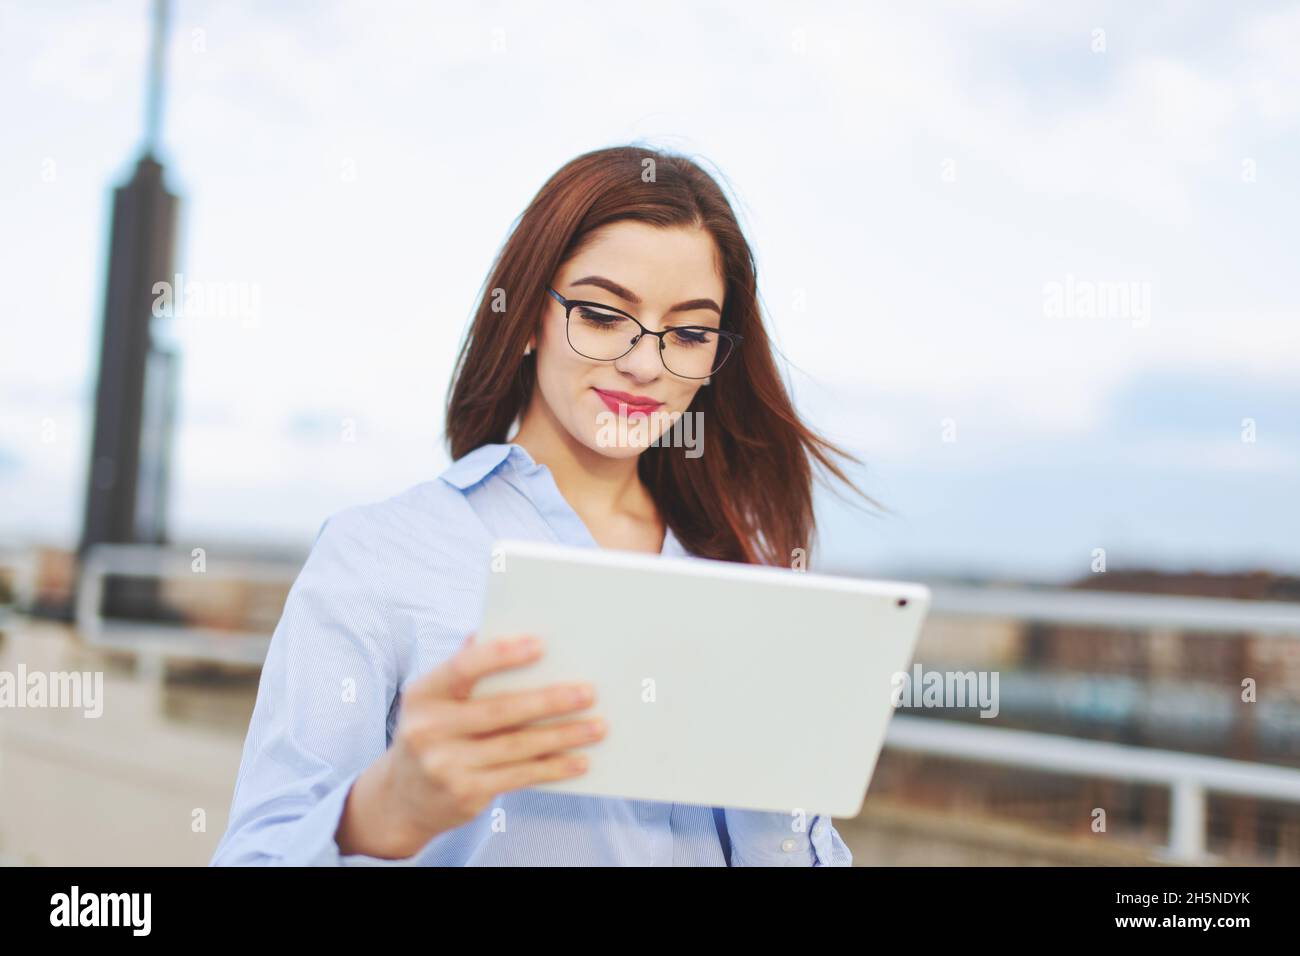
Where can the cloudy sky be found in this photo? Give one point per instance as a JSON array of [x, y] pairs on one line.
[[1034, 263]]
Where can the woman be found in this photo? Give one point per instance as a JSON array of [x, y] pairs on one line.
[[623, 302]]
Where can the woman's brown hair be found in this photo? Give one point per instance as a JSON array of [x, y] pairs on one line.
[[748, 497]]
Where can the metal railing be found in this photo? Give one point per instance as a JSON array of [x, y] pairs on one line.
[[1119, 609], [1189, 777], [159, 642]]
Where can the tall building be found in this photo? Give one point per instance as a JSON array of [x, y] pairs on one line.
[[126, 495]]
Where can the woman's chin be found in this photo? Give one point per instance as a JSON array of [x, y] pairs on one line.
[[634, 436]]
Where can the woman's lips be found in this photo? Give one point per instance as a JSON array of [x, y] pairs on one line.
[[635, 404]]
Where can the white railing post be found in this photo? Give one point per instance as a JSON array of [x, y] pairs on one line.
[[1187, 821]]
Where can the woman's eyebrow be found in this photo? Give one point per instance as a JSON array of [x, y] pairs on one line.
[[627, 295]]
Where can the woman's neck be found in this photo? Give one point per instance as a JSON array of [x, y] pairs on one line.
[[597, 486]]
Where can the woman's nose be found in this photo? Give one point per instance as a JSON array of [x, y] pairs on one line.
[[643, 360]]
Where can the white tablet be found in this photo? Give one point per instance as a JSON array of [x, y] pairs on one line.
[[721, 684]]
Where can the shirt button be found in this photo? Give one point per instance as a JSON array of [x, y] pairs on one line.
[[788, 845]]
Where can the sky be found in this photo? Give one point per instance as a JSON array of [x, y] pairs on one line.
[[1033, 264]]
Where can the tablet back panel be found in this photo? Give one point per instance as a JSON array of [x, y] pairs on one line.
[[721, 684]]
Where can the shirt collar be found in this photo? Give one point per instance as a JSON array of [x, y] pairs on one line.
[[471, 468]]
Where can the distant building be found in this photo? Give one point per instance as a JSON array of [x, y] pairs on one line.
[[135, 393], [126, 492]]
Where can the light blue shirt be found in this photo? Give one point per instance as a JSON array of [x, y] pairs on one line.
[[391, 590]]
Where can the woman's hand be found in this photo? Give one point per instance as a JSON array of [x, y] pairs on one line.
[[451, 755]]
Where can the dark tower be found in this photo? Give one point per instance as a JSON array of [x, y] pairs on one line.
[[126, 494]]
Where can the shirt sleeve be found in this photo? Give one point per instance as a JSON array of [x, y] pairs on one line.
[[762, 838], [323, 704]]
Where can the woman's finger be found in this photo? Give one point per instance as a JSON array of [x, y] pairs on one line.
[[455, 677]]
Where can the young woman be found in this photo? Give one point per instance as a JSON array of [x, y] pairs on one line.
[[624, 300]]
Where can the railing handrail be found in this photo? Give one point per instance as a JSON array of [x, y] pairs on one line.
[[1118, 609], [148, 560], [1059, 754], [1054, 605]]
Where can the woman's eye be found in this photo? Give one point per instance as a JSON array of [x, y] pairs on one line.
[[596, 317], [692, 337]]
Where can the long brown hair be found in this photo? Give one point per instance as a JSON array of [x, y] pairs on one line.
[[748, 498]]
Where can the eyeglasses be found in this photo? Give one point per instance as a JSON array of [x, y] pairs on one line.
[[604, 333]]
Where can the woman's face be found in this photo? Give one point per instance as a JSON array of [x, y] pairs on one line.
[[662, 276]]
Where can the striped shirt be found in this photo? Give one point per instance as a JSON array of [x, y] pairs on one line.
[[389, 591]]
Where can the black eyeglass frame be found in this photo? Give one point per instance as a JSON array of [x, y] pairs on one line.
[[734, 338]]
